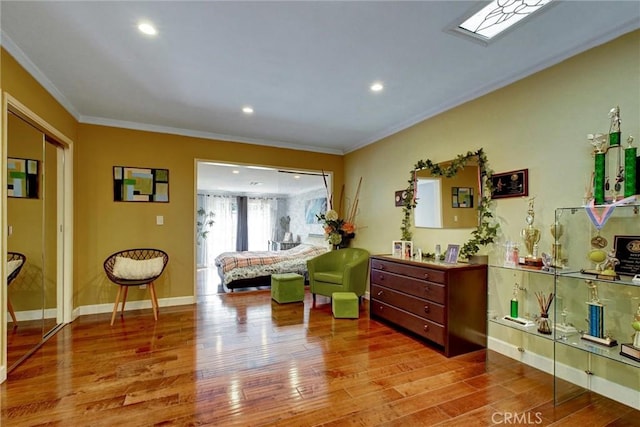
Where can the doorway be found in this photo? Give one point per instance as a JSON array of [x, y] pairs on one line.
[[274, 204]]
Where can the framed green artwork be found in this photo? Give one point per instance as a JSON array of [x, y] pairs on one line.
[[131, 184], [22, 178]]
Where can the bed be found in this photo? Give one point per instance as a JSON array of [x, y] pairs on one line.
[[254, 268]]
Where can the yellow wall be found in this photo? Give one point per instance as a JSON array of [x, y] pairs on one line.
[[539, 123], [104, 226], [22, 86]]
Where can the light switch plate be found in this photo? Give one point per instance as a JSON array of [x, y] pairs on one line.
[[159, 220]]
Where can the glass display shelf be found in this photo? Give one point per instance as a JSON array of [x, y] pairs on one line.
[[523, 269], [612, 353], [577, 274], [533, 329]]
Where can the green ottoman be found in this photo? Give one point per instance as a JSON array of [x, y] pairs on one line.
[[344, 305], [287, 287]]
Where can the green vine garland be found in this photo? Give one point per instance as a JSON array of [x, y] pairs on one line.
[[484, 233]]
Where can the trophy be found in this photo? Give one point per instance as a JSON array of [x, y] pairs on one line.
[[632, 350], [513, 309], [531, 237], [557, 230], [596, 319]]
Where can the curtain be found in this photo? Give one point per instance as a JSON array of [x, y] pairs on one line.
[[261, 222], [242, 238], [222, 236]]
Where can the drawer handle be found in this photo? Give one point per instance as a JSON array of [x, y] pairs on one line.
[[381, 267], [381, 307], [427, 289], [380, 293], [426, 308], [381, 277], [426, 328], [426, 275]]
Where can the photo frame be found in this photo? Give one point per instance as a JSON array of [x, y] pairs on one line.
[[451, 255], [22, 177], [402, 249], [288, 237], [133, 184], [461, 197], [510, 184]]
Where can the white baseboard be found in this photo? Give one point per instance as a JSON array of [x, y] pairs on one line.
[[131, 305], [49, 313], [367, 295], [614, 391]]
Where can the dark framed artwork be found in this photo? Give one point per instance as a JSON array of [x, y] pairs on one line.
[[510, 184], [132, 184], [461, 197], [400, 197], [628, 254], [22, 177]]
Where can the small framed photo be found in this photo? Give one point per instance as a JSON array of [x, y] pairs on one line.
[[402, 249], [451, 256], [288, 237], [510, 184]]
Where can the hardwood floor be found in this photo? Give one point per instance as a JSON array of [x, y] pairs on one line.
[[241, 359]]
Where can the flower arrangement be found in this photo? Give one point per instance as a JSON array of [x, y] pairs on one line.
[[338, 230]]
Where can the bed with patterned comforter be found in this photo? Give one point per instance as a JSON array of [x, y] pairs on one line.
[[251, 268]]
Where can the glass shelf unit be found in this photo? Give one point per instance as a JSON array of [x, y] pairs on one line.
[[577, 361]]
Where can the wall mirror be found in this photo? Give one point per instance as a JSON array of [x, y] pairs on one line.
[[448, 201], [484, 232]]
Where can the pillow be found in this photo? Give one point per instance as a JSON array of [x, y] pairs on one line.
[[13, 266], [133, 269]]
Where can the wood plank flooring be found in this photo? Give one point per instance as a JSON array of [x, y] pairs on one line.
[[241, 359]]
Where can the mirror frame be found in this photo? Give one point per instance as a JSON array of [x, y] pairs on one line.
[[485, 232]]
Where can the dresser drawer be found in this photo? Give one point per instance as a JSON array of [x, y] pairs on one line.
[[419, 288], [425, 328], [415, 271], [418, 306]]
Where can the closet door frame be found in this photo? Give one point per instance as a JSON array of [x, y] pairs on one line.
[[65, 219]]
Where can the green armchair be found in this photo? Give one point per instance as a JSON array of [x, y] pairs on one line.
[[343, 270]]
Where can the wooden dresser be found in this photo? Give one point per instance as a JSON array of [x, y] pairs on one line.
[[444, 303]]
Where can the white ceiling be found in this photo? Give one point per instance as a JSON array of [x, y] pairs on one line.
[[304, 66]]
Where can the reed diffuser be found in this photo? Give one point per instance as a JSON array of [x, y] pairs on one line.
[[545, 303]]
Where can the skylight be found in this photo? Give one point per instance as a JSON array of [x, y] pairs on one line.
[[498, 16]]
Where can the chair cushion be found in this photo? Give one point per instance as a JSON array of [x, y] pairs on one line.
[[329, 277], [132, 269], [13, 266]]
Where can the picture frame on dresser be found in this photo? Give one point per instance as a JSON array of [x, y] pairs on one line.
[[451, 256], [402, 249]]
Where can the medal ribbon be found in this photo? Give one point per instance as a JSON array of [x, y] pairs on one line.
[[600, 220]]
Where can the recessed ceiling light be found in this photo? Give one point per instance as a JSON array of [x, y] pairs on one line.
[[498, 16], [147, 28], [236, 171], [247, 110], [376, 87], [296, 177]]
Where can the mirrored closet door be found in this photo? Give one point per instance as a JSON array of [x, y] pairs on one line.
[[33, 218]]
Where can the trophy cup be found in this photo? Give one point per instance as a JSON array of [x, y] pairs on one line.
[[632, 350], [596, 319], [531, 237]]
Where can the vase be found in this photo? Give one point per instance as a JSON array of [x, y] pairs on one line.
[[344, 243]]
